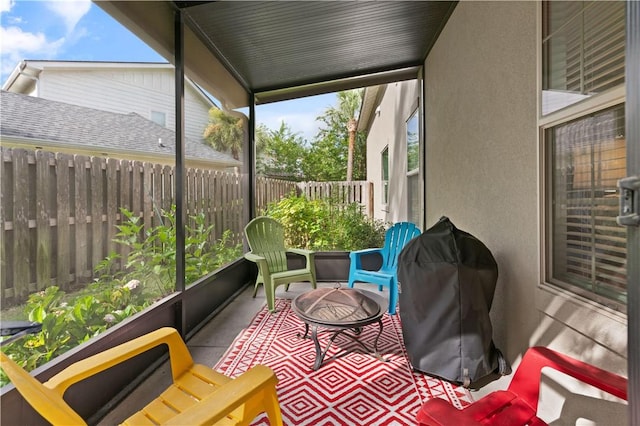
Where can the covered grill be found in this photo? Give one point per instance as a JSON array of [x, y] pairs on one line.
[[447, 279]]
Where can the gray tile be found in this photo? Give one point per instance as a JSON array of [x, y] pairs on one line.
[[211, 342]]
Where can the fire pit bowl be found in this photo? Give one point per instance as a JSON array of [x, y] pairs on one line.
[[336, 306], [339, 310]]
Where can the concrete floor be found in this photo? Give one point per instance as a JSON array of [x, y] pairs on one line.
[[208, 345]]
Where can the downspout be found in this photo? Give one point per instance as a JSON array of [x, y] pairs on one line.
[[248, 167]]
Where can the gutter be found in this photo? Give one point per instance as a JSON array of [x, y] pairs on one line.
[[16, 82], [14, 75], [120, 154]]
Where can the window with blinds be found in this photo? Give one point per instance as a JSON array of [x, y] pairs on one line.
[[588, 249], [583, 50]]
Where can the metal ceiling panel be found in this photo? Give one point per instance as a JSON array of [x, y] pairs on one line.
[[273, 45], [278, 50]]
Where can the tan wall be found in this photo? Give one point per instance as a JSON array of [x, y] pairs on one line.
[[389, 128], [481, 147], [482, 163]]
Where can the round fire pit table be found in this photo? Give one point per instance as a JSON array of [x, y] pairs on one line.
[[342, 311]]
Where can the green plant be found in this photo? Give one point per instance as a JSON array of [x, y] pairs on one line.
[[352, 230], [117, 293], [152, 257], [304, 220], [66, 324], [320, 225]]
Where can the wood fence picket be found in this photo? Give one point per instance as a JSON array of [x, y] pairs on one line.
[[59, 212]]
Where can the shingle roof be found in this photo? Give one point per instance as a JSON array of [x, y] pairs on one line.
[[42, 119]]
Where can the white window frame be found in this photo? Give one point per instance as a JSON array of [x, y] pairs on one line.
[[555, 302], [154, 113], [414, 172]]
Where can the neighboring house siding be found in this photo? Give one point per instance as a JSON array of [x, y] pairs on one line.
[[124, 91], [388, 128]]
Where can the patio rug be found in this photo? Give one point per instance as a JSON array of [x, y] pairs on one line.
[[354, 389]]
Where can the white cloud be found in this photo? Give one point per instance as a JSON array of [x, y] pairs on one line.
[[304, 124], [299, 114], [17, 45], [14, 39], [6, 5], [70, 11]]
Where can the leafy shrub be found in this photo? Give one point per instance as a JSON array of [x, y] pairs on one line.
[[66, 324], [152, 258], [304, 220], [352, 230], [117, 292], [318, 224]]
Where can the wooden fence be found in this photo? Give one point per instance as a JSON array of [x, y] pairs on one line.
[[59, 212], [342, 194]]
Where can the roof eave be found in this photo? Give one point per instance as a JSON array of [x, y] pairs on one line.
[[384, 77], [100, 151], [154, 22], [23, 78]]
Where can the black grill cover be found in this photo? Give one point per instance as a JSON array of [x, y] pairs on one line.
[[447, 279]]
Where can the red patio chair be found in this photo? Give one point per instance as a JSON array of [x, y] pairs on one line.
[[518, 405]]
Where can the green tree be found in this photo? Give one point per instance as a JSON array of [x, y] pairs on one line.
[[225, 132], [282, 153], [338, 133], [326, 159], [262, 136]]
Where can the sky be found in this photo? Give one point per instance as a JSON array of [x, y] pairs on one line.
[[81, 31]]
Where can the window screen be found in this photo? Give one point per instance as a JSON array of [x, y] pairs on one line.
[[588, 247], [159, 118], [385, 175], [413, 142], [414, 197]]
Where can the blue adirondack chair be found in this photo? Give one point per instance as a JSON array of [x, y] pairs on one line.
[[394, 241]]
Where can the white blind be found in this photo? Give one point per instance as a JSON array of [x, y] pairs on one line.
[[583, 50], [604, 44], [588, 246]]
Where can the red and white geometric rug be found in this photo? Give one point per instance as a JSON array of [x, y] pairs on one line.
[[354, 389]]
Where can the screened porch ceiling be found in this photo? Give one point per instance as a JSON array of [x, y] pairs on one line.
[[279, 50]]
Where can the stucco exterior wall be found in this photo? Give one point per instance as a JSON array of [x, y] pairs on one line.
[[123, 91], [483, 167], [389, 129], [481, 147]]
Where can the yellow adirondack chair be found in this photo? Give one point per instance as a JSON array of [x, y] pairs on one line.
[[198, 396], [266, 241]]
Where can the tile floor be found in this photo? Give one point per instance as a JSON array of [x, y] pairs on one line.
[[208, 345]]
